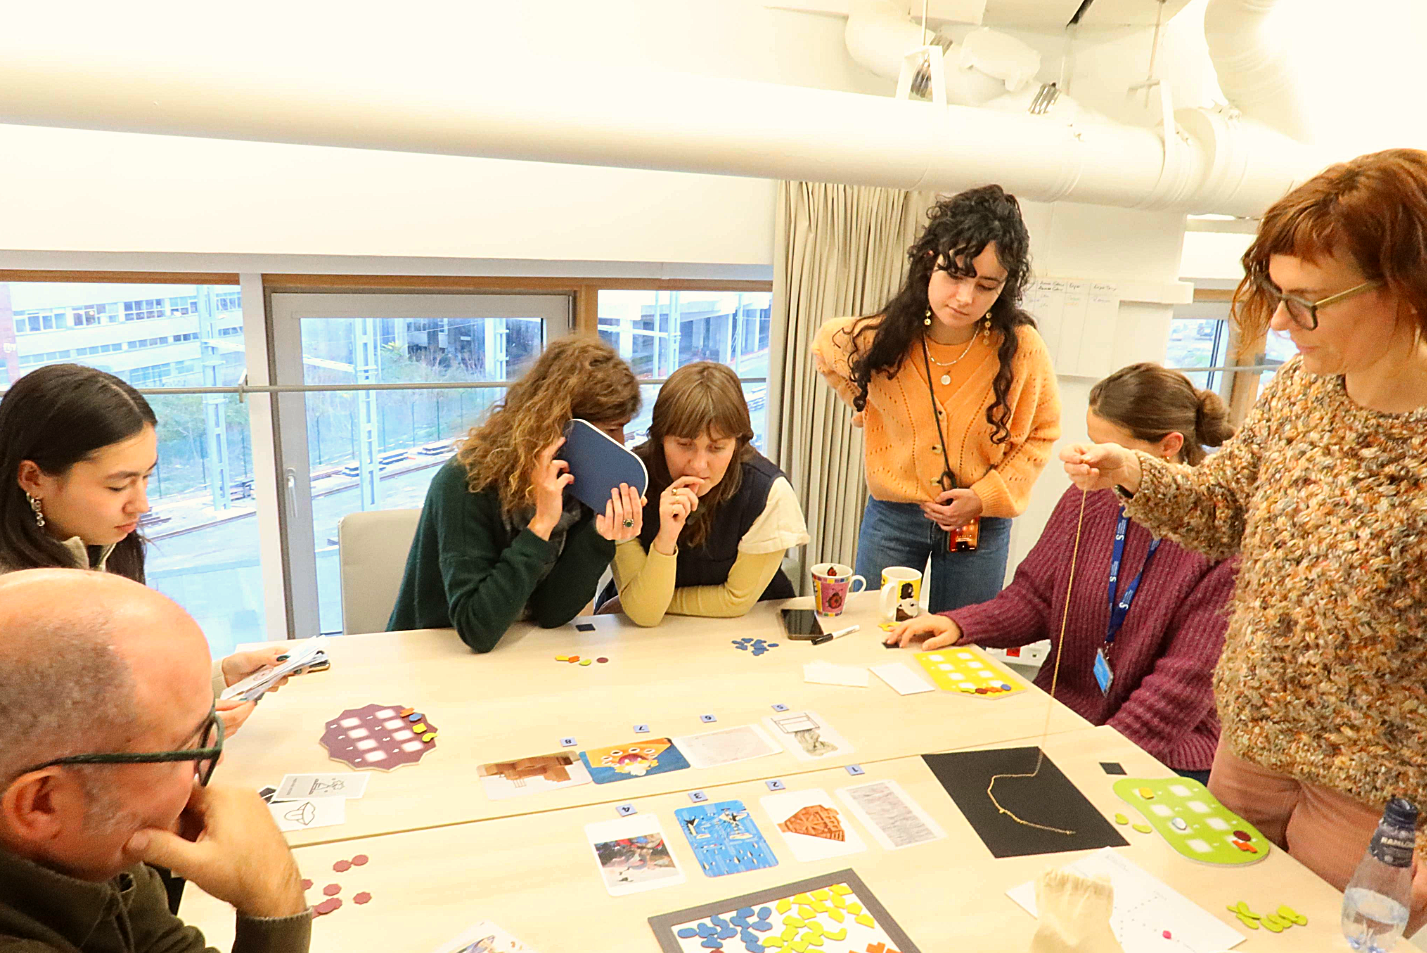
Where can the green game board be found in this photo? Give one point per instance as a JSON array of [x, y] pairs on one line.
[[1193, 821]]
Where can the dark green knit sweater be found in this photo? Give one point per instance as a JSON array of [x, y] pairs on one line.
[[466, 570]]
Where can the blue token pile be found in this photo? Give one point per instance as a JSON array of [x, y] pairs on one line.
[[756, 646], [746, 924]]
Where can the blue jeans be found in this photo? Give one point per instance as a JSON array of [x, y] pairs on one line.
[[897, 534]]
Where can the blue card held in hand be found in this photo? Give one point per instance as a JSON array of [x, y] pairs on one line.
[[599, 465]]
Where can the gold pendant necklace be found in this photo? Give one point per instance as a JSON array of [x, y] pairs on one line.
[[946, 377]]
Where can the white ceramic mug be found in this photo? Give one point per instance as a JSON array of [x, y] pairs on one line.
[[901, 593]]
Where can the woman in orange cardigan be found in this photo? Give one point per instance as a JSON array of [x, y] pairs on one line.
[[958, 398]]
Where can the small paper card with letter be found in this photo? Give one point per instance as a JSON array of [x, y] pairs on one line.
[[295, 787]]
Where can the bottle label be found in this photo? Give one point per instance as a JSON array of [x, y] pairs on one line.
[[1392, 848]]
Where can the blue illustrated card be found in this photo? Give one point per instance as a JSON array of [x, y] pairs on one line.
[[724, 838]]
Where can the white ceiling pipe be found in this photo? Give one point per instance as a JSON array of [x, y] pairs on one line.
[[1253, 66], [669, 121], [878, 33]]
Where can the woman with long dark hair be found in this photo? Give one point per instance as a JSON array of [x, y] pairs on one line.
[[957, 396], [77, 446]]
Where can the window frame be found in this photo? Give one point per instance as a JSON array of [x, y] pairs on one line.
[[256, 290]]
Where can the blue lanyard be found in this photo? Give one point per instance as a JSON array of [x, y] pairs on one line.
[[1119, 609]]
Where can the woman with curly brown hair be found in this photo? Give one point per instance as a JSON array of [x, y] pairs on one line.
[[720, 515], [499, 540], [958, 398], [1323, 493]]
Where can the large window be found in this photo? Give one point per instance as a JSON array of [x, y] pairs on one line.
[[1201, 335], [660, 331], [202, 524], [359, 447], [369, 394]]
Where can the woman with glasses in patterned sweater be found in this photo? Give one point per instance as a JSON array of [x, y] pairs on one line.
[[1323, 493]]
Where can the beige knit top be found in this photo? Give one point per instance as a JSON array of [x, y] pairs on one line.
[[1324, 670]]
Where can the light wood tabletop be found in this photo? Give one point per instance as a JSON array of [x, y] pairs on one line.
[[536, 877], [518, 701]]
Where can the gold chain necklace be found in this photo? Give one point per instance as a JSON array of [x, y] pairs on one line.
[[946, 378]]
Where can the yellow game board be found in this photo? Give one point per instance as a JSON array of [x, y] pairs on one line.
[[968, 670]]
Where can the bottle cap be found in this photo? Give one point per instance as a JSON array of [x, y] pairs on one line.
[[1401, 812]]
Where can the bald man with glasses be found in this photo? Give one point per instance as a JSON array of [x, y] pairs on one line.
[[107, 740]]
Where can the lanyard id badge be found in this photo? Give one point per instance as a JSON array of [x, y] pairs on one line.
[[1104, 674], [1119, 608]]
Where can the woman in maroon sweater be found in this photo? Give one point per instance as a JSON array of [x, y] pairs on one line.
[[1169, 602]]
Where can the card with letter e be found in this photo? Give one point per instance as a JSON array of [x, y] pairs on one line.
[[724, 838], [637, 759]]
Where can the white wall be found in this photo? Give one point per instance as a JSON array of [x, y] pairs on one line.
[[1110, 245]]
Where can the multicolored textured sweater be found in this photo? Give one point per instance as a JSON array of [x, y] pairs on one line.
[[1163, 656], [904, 457], [1324, 670]]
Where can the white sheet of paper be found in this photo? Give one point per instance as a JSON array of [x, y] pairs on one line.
[[806, 735], [895, 820], [903, 680], [309, 812], [632, 854], [820, 809], [296, 787], [484, 937], [1145, 908], [826, 673], [726, 746]]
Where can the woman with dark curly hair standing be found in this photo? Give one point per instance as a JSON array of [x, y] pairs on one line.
[[958, 398]]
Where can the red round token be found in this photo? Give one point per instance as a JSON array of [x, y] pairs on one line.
[[1166, 935], [362, 897], [332, 890], [360, 860], [327, 906], [342, 866], [601, 660], [307, 885]]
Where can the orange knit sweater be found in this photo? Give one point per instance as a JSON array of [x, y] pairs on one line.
[[904, 461]]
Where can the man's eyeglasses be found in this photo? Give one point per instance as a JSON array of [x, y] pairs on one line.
[[1303, 312], [205, 757]]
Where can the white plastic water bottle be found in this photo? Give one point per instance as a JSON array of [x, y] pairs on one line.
[[1376, 902]]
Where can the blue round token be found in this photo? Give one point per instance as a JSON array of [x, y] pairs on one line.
[[765, 912], [688, 933], [414, 717]]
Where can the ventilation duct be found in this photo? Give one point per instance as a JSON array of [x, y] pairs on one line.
[[639, 119], [1253, 66]]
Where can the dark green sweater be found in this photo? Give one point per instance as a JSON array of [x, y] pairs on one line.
[[466, 569], [42, 911]]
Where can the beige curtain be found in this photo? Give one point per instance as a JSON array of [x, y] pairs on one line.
[[838, 250]]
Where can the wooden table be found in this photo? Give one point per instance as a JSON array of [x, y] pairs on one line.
[[535, 874], [518, 701]]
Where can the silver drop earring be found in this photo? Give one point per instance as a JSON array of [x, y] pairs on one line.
[[37, 510]]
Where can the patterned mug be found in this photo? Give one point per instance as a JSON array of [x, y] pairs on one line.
[[832, 584]]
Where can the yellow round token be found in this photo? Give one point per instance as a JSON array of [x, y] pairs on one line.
[[429, 737], [585, 661], [419, 727], [562, 658]]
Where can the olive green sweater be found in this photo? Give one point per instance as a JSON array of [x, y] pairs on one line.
[[468, 570], [42, 911]]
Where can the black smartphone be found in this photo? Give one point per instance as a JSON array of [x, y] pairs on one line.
[[801, 624]]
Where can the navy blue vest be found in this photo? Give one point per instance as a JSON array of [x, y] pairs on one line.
[[709, 563]]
